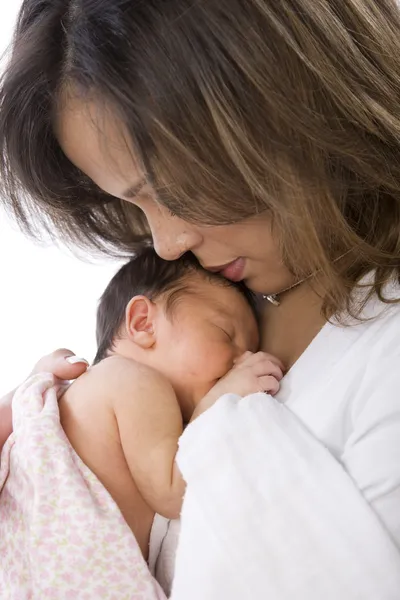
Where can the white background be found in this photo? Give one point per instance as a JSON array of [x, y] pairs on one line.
[[47, 297]]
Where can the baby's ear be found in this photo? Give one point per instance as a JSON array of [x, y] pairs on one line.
[[139, 321]]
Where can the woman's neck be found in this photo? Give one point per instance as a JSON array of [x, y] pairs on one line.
[[288, 329]]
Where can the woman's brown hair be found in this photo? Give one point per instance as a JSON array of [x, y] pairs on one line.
[[234, 107]]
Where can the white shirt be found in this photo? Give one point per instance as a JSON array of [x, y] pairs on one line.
[[343, 394], [346, 389]]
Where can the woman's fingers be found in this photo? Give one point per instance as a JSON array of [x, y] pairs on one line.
[[63, 364]]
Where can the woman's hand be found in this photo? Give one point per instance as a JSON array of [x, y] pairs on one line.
[[252, 373], [63, 364]]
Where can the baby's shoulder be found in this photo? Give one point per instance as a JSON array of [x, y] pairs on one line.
[[115, 365], [127, 376]]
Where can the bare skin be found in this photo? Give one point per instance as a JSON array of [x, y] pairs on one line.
[[289, 329], [92, 429]]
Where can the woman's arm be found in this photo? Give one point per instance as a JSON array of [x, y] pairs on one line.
[[5, 418], [269, 512]]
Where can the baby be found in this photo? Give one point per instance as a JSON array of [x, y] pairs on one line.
[[172, 338]]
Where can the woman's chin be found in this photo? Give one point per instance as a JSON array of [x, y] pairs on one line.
[[256, 284]]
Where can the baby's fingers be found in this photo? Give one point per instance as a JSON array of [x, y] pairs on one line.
[[267, 367], [249, 358], [265, 356], [241, 359], [268, 384]]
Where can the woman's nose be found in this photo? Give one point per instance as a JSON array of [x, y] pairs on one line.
[[172, 237], [170, 245]]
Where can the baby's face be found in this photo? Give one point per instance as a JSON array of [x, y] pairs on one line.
[[209, 329]]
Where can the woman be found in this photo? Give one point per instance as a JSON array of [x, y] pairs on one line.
[[264, 137]]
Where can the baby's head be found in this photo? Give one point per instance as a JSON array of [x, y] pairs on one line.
[[183, 321]]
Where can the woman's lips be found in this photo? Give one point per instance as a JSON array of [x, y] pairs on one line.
[[233, 270]]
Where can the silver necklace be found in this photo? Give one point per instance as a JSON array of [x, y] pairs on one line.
[[275, 298]]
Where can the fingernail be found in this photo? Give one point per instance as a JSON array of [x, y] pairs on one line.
[[73, 360]]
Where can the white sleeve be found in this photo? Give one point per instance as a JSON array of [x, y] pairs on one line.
[[372, 452], [269, 513]]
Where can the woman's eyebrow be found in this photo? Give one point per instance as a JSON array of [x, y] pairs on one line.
[[134, 189]]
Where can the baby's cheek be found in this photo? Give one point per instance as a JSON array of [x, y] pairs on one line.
[[207, 361], [221, 363], [205, 371], [199, 367], [191, 364]]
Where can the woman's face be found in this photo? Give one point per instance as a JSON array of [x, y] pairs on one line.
[[93, 141]]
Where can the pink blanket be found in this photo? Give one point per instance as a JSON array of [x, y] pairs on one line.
[[61, 534]]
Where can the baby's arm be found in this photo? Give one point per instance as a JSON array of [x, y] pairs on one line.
[[150, 421], [150, 424]]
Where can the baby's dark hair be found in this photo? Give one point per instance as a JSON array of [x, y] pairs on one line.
[[149, 275]]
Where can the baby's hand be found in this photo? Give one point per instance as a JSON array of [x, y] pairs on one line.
[[260, 372], [252, 373]]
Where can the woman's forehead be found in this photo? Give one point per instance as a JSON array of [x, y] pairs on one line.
[[95, 141]]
